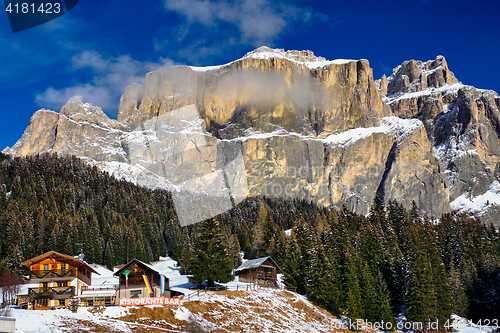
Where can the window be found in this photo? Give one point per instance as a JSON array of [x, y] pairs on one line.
[[63, 267], [46, 267], [42, 302], [45, 285], [135, 292], [62, 283], [62, 302]]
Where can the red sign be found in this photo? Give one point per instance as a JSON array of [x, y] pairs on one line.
[[149, 301]]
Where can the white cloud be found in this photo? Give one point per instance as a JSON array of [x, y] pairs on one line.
[[89, 59], [55, 99], [258, 21], [104, 90]]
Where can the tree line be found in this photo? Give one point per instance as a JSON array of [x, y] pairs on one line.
[[362, 267], [372, 267]]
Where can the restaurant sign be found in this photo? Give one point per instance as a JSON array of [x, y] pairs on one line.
[[149, 301]]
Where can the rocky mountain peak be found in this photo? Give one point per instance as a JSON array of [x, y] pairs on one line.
[[265, 52], [298, 126], [78, 111], [414, 76]]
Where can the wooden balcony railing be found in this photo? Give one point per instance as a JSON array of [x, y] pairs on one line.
[[41, 274], [50, 291], [87, 288]]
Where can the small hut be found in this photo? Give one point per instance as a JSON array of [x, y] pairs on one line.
[[137, 279], [263, 271]]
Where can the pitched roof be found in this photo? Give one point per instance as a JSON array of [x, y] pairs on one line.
[[141, 263], [61, 257], [254, 263]]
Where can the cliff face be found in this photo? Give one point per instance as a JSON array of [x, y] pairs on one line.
[[292, 124], [264, 90], [462, 125]]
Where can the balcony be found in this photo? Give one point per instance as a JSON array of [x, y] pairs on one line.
[[87, 288], [42, 274], [51, 291]]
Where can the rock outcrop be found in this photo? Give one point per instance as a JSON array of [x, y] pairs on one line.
[[462, 125], [291, 124]]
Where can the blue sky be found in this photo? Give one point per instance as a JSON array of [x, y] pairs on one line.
[[101, 46]]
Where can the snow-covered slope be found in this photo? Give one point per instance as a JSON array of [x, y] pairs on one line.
[[262, 310]]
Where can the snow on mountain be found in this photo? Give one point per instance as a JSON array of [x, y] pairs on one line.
[[306, 58], [389, 125], [184, 127], [427, 92], [477, 204]]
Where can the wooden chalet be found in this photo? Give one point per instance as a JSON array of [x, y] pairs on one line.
[[263, 271], [133, 285], [54, 278]]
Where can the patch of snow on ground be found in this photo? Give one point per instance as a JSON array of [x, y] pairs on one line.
[[244, 311], [48, 321], [462, 325], [480, 203]]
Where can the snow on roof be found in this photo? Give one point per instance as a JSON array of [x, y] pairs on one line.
[[59, 256], [254, 263], [141, 263], [105, 277]]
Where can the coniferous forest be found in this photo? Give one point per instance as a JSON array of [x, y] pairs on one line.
[[362, 267]]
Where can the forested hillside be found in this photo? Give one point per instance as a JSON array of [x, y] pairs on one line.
[[364, 267]]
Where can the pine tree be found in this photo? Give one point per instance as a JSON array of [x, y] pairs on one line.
[[305, 240], [354, 298], [458, 295], [441, 287], [212, 261], [322, 284], [383, 304], [291, 266], [234, 251], [369, 291], [420, 298]]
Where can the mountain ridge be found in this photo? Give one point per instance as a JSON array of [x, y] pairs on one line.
[[276, 111]]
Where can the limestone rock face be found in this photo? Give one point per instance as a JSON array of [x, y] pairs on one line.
[[40, 135], [264, 90], [414, 174], [292, 124], [78, 129], [462, 125]]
